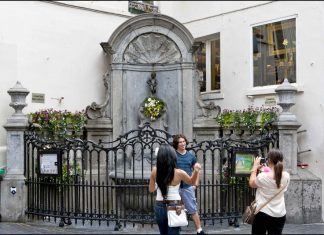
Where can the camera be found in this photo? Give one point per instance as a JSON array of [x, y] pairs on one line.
[[263, 160], [13, 190]]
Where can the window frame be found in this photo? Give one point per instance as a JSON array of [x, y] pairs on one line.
[[255, 89], [207, 41]]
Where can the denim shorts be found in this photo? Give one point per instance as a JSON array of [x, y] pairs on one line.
[[189, 199]]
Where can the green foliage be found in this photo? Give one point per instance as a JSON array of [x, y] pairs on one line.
[[69, 172], [58, 122], [225, 119], [153, 107], [268, 115], [248, 118]]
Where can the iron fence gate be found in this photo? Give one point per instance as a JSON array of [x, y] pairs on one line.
[[107, 182]]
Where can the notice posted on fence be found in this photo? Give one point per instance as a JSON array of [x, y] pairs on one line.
[[48, 163]]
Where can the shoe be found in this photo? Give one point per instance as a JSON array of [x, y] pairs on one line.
[[201, 232]]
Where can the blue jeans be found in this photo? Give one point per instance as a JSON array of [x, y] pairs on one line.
[[161, 217]]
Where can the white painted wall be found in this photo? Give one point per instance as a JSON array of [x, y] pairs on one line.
[[187, 11], [235, 29], [54, 49]]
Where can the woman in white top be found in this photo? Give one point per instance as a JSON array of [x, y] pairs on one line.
[[165, 178], [272, 217]]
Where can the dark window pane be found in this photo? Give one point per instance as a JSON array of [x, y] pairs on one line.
[[215, 65], [274, 53], [201, 64]]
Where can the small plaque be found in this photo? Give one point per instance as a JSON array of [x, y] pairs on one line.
[[38, 98], [270, 101], [49, 163]]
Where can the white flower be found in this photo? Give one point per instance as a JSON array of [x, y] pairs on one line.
[[285, 42]]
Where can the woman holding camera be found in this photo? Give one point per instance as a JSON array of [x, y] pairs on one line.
[[270, 184]]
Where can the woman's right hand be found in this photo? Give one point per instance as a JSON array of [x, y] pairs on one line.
[[256, 164]]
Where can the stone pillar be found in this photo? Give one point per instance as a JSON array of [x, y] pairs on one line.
[[118, 115], [288, 126], [187, 101], [13, 189], [304, 195]]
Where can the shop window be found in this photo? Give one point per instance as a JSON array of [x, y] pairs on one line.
[[208, 61], [274, 53]]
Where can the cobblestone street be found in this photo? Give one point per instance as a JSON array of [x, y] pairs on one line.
[[39, 227]]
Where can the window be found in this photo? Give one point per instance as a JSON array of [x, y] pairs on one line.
[[274, 53], [208, 61]]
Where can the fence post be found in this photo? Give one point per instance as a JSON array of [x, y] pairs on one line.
[[13, 189], [288, 126]]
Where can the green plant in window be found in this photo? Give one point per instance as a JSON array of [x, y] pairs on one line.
[[286, 58]]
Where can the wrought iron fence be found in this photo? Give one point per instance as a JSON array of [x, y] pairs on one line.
[[107, 182]]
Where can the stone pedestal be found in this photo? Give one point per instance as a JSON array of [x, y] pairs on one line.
[[13, 189], [13, 205], [304, 194]]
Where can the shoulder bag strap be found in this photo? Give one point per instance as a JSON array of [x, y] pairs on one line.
[[269, 200]]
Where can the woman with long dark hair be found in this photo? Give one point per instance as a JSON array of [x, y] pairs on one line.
[[166, 179], [270, 184]]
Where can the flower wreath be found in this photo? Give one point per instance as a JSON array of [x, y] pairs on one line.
[[153, 107]]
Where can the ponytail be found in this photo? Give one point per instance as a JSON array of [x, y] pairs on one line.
[[278, 173], [276, 157]]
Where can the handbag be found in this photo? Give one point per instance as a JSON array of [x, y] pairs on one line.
[[251, 210], [249, 213], [177, 216]]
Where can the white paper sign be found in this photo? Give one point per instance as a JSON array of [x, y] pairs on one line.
[[48, 163]]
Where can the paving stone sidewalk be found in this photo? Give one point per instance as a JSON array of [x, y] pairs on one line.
[[40, 227]]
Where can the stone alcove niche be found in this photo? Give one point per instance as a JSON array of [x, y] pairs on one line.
[[140, 47]]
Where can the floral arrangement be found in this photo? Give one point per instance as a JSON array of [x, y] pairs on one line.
[[58, 122], [153, 107], [248, 118]]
